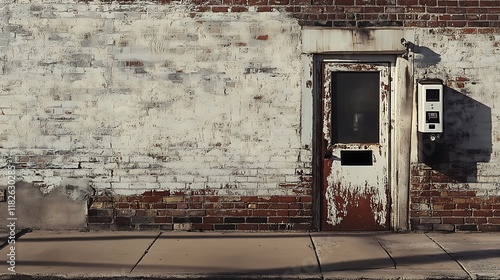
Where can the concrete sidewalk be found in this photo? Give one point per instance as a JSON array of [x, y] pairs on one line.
[[183, 255]]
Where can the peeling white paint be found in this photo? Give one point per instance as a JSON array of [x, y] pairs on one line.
[[154, 91], [346, 186], [353, 183]]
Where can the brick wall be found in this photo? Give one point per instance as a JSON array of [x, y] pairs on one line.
[[147, 97], [363, 13], [201, 210], [454, 184], [189, 116], [441, 202]]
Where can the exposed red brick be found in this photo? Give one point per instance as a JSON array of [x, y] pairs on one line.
[[171, 205], [195, 213], [448, 220], [163, 220], [211, 198], [441, 213], [455, 10], [301, 226], [203, 9], [468, 3], [196, 205], [239, 9], [263, 226], [489, 3], [262, 212], [494, 220], [461, 213], [419, 213], [213, 220], [159, 205], [197, 226], [240, 205], [249, 199], [408, 2], [279, 219], [134, 205], [344, 2], [264, 9], [178, 212], [282, 212], [195, 198], [220, 9], [123, 205], [281, 205], [482, 213], [278, 2], [287, 199], [247, 226], [307, 205], [257, 2], [437, 23], [182, 206], [477, 221], [305, 199], [474, 206]]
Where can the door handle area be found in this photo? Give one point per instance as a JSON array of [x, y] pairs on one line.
[[332, 157], [329, 152], [327, 149]]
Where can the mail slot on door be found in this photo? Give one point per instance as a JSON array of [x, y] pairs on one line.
[[430, 108]]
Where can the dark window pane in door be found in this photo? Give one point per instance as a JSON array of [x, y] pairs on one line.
[[355, 107]]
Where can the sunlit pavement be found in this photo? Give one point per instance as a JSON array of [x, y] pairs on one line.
[[240, 255]]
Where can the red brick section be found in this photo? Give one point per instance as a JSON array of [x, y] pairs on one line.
[[203, 210], [365, 13], [440, 202]]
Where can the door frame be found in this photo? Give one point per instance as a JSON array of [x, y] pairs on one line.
[[399, 204]]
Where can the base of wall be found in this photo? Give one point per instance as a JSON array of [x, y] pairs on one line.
[[446, 202], [163, 210]]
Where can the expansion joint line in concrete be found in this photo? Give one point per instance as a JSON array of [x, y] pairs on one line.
[[145, 252], [451, 256], [317, 257], [387, 252]]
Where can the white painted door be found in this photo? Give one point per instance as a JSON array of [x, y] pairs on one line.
[[355, 135]]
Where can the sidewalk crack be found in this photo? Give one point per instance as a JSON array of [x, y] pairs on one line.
[[145, 252], [451, 256], [387, 252], [317, 257]]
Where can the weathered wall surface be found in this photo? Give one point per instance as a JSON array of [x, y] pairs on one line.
[[456, 184], [150, 97], [189, 116]]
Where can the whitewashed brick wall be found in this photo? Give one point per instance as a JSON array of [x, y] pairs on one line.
[[143, 97], [464, 60]]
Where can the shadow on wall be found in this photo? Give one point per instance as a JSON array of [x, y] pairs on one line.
[[425, 57], [466, 139]]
